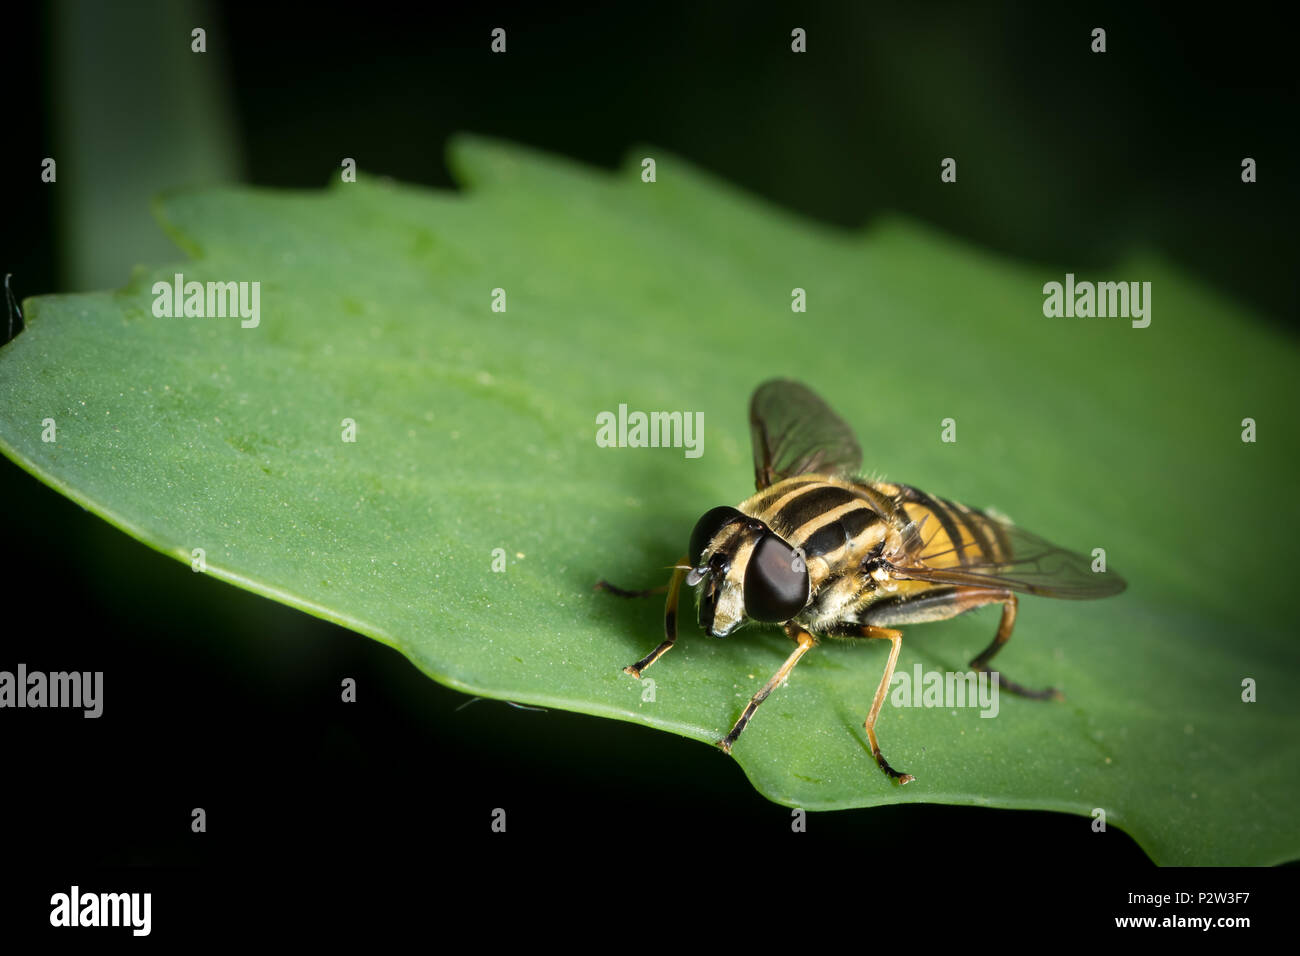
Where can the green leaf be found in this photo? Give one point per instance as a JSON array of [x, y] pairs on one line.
[[476, 431]]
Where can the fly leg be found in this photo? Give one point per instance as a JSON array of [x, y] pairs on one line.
[[673, 588], [981, 661], [896, 639], [805, 642], [943, 603]]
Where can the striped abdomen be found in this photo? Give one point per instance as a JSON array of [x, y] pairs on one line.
[[952, 535]]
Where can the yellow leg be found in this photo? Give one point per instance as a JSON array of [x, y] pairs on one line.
[[896, 639], [670, 620], [981, 661], [805, 642]]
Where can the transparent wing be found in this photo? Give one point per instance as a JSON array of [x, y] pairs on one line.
[[796, 433], [975, 549]]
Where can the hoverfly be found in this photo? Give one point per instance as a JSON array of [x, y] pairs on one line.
[[825, 553]]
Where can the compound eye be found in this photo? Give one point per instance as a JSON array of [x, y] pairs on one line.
[[708, 527], [776, 581]]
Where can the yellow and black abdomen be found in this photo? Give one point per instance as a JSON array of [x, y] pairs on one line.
[[952, 534]]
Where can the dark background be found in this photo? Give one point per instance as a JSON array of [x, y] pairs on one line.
[[220, 699]]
